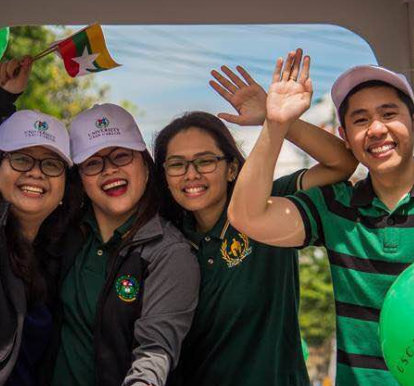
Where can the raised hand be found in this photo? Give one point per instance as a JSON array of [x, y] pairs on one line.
[[247, 97], [14, 74], [291, 90]]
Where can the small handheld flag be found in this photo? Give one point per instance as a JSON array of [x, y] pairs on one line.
[[84, 52]]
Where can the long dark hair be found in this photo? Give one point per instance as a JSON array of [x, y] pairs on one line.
[[202, 121], [30, 261], [148, 204]]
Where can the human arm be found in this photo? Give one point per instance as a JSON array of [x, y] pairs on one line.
[[335, 162], [14, 75], [252, 210], [170, 299]]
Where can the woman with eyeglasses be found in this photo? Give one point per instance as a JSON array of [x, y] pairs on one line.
[[129, 280], [34, 211], [245, 331]]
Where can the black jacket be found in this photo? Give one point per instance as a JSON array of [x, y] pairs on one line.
[[140, 340], [12, 295], [12, 305]]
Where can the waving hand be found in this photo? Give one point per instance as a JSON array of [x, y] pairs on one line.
[[291, 90], [245, 95]]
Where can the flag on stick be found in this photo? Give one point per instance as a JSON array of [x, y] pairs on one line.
[[85, 52]]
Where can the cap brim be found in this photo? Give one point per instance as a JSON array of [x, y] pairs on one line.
[[361, 74], [50, 147], [79, 158]]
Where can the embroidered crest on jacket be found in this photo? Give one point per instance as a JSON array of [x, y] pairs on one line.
[[127, 288]]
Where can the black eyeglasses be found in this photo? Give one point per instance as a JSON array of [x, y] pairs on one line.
[[96, 164], [21, 162], [206, 164]]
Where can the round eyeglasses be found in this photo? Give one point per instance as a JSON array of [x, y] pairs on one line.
[[96, 164], [22, 162], [177, 167]]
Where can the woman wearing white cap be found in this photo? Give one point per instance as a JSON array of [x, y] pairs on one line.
[[130, 281], [34, 157]]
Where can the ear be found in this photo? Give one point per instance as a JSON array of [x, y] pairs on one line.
[[342, 133], [233, 170]]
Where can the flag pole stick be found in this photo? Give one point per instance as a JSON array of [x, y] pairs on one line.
[[45, 52]]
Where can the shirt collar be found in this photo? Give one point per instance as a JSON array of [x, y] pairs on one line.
[[364, 193], [119, 233], [218, 231]]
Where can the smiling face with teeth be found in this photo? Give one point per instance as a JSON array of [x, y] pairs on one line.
[[116, 191], [203, 194], [32, 194], [379, 130]]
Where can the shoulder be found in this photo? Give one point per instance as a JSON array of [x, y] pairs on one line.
[[287, 184], [171, 236], [341, 191], [167, 242]]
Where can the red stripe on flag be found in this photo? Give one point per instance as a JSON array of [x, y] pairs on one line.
[[67, 50]]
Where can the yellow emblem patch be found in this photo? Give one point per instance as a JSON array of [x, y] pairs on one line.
[[237, 251]]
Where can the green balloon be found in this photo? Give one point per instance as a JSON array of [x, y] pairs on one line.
[[4, 39], [397, 328], [305, 349]]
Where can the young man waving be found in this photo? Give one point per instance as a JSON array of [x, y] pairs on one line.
[[368, 228]]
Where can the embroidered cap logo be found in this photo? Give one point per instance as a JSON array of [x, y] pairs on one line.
[[102, 123], [41, 125]]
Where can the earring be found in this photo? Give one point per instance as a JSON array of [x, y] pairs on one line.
[[60, 202]]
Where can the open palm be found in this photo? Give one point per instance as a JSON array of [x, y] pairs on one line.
[[247, 97], [290, 93]]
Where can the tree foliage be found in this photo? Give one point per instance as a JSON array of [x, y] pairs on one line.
[[50, 89], [317, 308]]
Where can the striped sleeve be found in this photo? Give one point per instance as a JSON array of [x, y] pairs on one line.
[[311, 206], [288, 184]]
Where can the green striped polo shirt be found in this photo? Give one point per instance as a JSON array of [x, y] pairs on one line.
[[368, 246]]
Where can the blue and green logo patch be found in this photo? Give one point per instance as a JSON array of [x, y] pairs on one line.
[[102, 123], [127, 288], [41, 125]]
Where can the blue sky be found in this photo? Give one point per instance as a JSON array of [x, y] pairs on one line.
[[166, 69]]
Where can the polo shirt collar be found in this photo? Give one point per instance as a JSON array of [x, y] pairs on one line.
[[90, 220], [364, 193], [218, 231]]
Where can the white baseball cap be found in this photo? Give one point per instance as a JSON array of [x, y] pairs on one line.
[[103, 126], [360, 74], [27, 128]]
